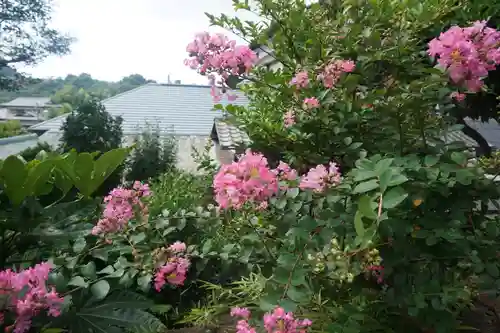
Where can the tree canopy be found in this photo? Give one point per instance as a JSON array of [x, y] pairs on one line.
[[63, 90], [26, 38]]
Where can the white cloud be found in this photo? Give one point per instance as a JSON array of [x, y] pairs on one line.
[[121, 37]]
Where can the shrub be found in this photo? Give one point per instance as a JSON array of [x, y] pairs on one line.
[[11, 128], [399, 236], [152, 156], [30, 153], [91, 129]]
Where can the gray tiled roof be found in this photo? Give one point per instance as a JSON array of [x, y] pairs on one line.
[[28, 102], [229, 135], [175, 109]]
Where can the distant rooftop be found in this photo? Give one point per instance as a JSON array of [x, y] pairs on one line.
[[174, 108], [27, 102]]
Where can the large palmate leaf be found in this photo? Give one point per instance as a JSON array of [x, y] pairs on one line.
[[121, 311]]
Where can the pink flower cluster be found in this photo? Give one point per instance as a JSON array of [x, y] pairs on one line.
[[121, 205], [319, 178], [289, 118], [174, 271], [278, 321], [333, 71], [27, 295], [249, 179], [311, 103], [285, 172], [300, 80], [217, 55], [467, 53]]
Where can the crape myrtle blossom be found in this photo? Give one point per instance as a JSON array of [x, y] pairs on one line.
[[311, 103], [215, 54], [468, 54], [300, 80], [248, 180], [333, 71], [277, 321], [289, 118], [121, 206], [319, 178], [175, 269], [27, 295]]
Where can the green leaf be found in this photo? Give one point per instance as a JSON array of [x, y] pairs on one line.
[[100, 289], [398, 180], [143, 282], [106, 270], [492, 270], [459, 158], [383, 165], [292, 192], [14, 175], [394, 197], [78, 281], [361, 175], [385, 179], [138, 238], [431, 160], [365, 207], [286, 260], [358, 225], [280, 203], [100, 254], [89, 270], [106, 165], [79, 245], [38, 177], [366, 186], [83, 168], [207, 246]]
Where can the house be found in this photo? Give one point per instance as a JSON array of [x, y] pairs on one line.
[[27, 110], [184, 111]]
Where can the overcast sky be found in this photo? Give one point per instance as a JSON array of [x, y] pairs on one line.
[[116, 38]]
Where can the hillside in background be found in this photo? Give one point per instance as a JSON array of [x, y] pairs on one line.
[[61, 86]]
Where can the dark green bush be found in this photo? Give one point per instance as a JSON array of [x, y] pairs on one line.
[[30, 153], [153, 155]]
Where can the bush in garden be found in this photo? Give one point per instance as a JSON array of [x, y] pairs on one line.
[[491, 164], [11, 128], [53, 272], [398, 236], [152, 156], [91, 129], [30, 154]]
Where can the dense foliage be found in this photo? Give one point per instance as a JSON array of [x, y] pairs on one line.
[[350, 213], [11, 128], [27, 38], [92, 129], [66, 90], [153, 155]]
